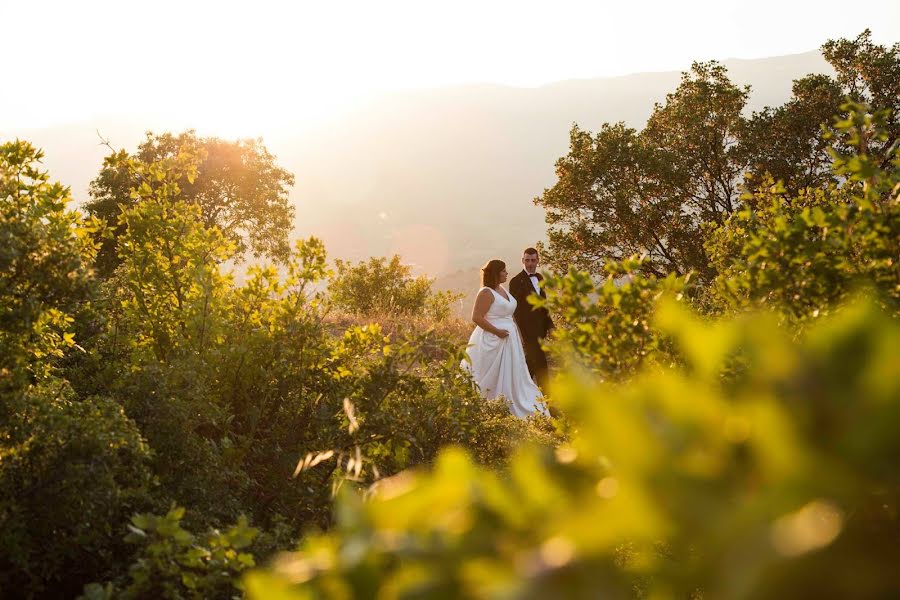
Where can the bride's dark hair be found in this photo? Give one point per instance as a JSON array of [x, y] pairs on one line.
[[490, 273]]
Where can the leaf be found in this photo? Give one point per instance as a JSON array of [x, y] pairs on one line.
[[142, 520]]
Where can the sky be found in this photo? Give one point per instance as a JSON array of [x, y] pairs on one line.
[[236, 67]]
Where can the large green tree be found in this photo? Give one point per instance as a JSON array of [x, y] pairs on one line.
[[870, 73], [622, 192], [238, 188], [790, 142], [787, 142], [659, 191]]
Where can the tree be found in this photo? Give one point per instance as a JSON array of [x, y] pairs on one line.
[[870, 74], [659, 192], [46, 251], [625, 192], [170, 257], [239, 188], [165, 314], [790, 143], [805, 253], [71, 467], [787, 143]]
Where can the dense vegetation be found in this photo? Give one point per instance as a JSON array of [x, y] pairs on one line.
[[168, 383], [727, 401]]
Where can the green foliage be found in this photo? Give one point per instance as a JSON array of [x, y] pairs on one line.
[[786, 143], [804, 254], [238, 187], [403, 401], [607, 328], [70, 472], [869, 74], [660, 191], [157, 319], [175, 564], [233, 385], [170, 264], [676, 484], [46, 253], [70, 467], [386, 287], [739, 457], [624, 192]]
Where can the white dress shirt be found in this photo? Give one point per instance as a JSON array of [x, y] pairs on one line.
[[534, 283]]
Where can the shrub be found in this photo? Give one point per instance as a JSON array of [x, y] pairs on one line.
[[381, 286], [778, 483], [805, 254], [174, 564], [607, 328], [70, 467], [46, 252], [70, 472]]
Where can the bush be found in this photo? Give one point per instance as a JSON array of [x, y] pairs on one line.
[[778, 483], [46, 253], [607, 328], [70, 472], [71, 467], [382, 287], [805, 254], [175, 564]]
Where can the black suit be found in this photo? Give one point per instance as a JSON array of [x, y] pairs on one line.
[[534, 323]]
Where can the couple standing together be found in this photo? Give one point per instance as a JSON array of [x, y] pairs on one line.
[[504, 353]]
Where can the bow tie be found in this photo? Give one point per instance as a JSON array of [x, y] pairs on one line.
[[536, 275]]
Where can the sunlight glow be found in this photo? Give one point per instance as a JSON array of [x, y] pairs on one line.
[[242, 68]]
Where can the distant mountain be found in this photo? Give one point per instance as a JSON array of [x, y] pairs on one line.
[[445, 177]]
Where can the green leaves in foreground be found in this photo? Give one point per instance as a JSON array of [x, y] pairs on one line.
[[774, 482], [607, 327], [173, 563]]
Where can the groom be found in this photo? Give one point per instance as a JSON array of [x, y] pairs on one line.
[[534, 323]]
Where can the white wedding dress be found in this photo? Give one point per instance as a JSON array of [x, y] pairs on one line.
[[498, 364]]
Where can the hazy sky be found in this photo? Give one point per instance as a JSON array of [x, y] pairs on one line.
[[239, 66]]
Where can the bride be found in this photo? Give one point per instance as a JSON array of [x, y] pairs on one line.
[[496, 358]]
